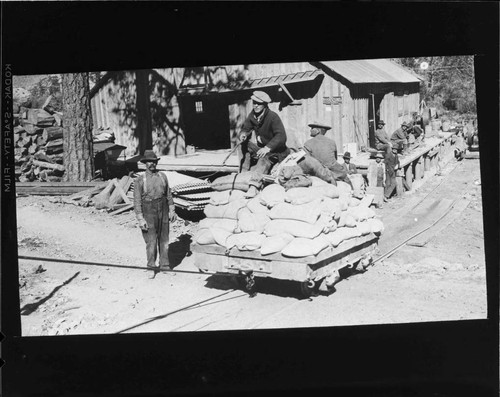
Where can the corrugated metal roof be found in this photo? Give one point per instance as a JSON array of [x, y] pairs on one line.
[[286, 78], [272, 81], [372, 71]]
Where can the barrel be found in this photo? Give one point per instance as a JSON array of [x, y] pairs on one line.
[[428, 130], [446, 126]]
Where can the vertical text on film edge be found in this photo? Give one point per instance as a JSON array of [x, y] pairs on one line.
[[7, 126]]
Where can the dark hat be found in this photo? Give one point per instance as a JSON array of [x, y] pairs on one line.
[[379, 156], [319, 124], [149, 155], [381, 122], [347, 155], [260, 96]]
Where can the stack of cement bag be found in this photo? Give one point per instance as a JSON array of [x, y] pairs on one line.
[[298, 222]]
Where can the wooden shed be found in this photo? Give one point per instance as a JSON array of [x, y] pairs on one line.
[[205, 107]]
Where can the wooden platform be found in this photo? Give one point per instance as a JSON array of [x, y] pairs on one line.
[[362, 160], [200, 161], [214, 258]]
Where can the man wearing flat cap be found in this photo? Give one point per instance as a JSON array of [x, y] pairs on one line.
[[270, 136], [154, 209], [382, 141], [399, 138]]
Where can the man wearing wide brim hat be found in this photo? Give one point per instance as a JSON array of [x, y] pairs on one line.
[[399, 138], [269, 147], [382, 141], [349, 167], [321, 155], [154, 209]]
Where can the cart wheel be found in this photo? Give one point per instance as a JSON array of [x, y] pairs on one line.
[[246, 282], [308, 288]]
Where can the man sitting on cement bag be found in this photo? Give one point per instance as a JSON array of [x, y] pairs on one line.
[[399, 138], [321, 156], [270, 136]]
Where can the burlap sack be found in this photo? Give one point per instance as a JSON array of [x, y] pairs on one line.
[[256, 206], [250, 222], [346, 220], [250, 241], [204, 236], [228, 211], [315, 181], [305, 212], [295, 228], [220, 236], [224, 224], [233, 182], [225, 196], [301, 247], [274, 244], [272, 195], [376, 226]]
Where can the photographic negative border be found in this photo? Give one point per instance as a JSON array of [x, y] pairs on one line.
[[448, 358]]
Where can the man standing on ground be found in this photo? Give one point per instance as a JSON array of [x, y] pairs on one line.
[[391, 166], [270, 136], [154, 208], [382, 141]]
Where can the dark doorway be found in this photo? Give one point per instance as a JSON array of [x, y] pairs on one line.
[[373, 116], [206, 122]]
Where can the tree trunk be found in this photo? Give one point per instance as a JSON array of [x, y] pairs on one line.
[[77, 122], [143, 111]]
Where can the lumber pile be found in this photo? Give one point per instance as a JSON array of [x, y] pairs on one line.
[[38, 137], [55, 188], [115, 196]]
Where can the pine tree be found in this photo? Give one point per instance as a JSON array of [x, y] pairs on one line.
[[77, 123]]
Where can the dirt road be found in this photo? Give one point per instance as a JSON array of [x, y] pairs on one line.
[[101, 285]]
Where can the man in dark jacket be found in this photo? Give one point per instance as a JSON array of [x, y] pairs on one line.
[[391, 166], [382, 141], [154, 209], [270, 147], [399, 138]]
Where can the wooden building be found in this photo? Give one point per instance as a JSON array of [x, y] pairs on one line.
[[205, 107]]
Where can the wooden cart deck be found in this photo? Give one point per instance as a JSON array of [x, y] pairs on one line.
[[214, 258]]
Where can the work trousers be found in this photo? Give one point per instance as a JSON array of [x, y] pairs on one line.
[[383, 146], [390, 184], [259, 167], [399, 142], [156, 214]]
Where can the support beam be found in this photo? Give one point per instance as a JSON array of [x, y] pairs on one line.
[[409, 175], [286, 91]]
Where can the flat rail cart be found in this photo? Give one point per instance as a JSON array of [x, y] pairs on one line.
[[312, 272]]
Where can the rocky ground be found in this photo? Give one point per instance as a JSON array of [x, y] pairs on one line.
[[101, 286]]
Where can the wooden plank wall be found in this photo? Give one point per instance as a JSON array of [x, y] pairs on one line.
[[339, 115], [114, 107], [389, 110]]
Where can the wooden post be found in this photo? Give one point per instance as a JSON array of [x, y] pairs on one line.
[[399, 186], [427, 163], [409, 175], [419, 169]]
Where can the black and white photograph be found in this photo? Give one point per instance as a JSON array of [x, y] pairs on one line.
[[330, 193], [249, 198]]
